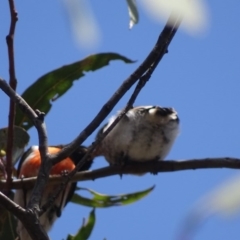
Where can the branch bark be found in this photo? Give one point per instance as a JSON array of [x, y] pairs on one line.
[[151, 60], [143, 73], [147, 67], [13, 84], [28, 218], [136, 168]]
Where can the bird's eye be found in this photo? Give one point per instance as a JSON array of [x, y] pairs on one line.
[[142, 110], [168, 110], [149, 108], [160, 111]]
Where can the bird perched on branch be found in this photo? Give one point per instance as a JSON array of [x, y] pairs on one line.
[[145, 133], [29, 166]]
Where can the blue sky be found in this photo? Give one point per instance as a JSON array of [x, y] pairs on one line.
[[199, 77]]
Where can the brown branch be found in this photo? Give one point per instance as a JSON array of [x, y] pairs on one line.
[[136, 168], [70, 176], [35, 232], [47, 160], [155, 55], [37, 117], [27, 218], [11, 206], [22, 104], [159, 50], [13, 84], [45, 167]]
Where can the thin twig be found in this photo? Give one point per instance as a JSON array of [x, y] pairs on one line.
[[10, 205], [157, 52], [45, 167], [27, 218], [136, 168], [162, 43], [13, 84], [37, 118], [63, 184]]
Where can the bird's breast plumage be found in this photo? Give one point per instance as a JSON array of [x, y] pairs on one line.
[[144, 134]]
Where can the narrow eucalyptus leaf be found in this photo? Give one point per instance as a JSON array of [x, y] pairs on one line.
[[102, 200], [51, 86], [133, 13], [85, 231]]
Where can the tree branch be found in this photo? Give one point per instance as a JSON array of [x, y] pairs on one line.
[[148, 66], [37, 118], [11, 206], [136, 168], [27, 218], [155, 55], [63, 184], [13, 84], [25, 108], [45, 167]]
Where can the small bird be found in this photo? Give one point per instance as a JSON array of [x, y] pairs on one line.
[[29, 166], [145, 133]]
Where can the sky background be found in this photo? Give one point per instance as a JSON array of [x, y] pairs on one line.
[[199, 77]]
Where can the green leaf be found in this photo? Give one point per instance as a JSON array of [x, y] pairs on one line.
[[85, 231], [54, 84], [20, 140], [102, 200], [133, 13]]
